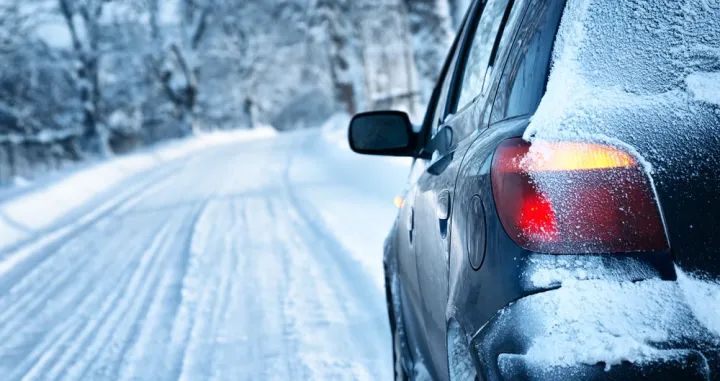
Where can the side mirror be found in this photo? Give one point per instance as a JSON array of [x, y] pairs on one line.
[[387, 133]]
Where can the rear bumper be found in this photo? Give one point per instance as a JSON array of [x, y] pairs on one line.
[[687, 365], [598, 330]]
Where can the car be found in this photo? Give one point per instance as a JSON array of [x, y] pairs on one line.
[[563, 197]]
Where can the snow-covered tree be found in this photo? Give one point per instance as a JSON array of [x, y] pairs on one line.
[[38, 123], [177, 63], [333, 28], [82, 77], [387, 53], [432, 34], [83, 21]]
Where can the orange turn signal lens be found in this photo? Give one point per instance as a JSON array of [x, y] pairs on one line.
[[569, 156]]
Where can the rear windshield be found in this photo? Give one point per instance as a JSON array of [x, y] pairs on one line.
[[628, 69], [644, 46], [641, 74]]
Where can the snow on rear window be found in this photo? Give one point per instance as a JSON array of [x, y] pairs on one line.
[[618, 60]]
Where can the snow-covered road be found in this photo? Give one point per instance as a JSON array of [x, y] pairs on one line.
[[254, 260]]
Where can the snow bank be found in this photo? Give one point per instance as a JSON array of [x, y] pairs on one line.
[[24, 215], [335, 130], [360, 213]]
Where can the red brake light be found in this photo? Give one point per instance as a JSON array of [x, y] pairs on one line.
[[574, 197], [537, 218]]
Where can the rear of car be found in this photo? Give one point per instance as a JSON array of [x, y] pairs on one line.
[[599, 201], [564, 224]]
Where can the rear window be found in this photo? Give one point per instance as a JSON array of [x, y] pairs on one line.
[[476, 69], [526, 73]]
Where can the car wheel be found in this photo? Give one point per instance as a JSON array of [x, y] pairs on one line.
[[397, 358], [460, 362], [396, 326]]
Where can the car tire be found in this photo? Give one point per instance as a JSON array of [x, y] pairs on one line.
[[399, 370], [461, 365], [396, 327]]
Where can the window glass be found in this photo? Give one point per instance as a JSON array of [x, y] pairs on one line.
[[478, 59], [526, 72], [440, 107]]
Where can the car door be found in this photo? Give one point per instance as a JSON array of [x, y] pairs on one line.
[[411, 305], [469, 93]]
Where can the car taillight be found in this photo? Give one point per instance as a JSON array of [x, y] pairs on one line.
[[574, 197]]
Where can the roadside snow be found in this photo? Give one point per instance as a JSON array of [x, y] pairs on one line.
[[236, 261], [361, 215], [24, 216]]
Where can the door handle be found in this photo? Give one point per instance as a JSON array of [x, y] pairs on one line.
[[442, 205], [410, 224], [442, 210]]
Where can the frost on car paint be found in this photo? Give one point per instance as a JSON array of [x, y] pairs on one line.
[[704, 87], [610, 322], [643, 76]]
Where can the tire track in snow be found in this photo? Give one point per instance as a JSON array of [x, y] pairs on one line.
[[103, 306], [103, 329], [38, 256], [34, 333], [29, 296], [57, 339], [209, 274], [169, 327], [330, 345], [84, 218], [221, 313], [97, 359], [129, 338], [353, 291], [187, 298], [155, 328], [250, 342], [202, 331], [290, 361]]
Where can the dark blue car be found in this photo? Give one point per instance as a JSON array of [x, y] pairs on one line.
[[561, 220]]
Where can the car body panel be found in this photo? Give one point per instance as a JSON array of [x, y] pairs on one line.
[[508, 270], [468, 270], [434, 197]]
